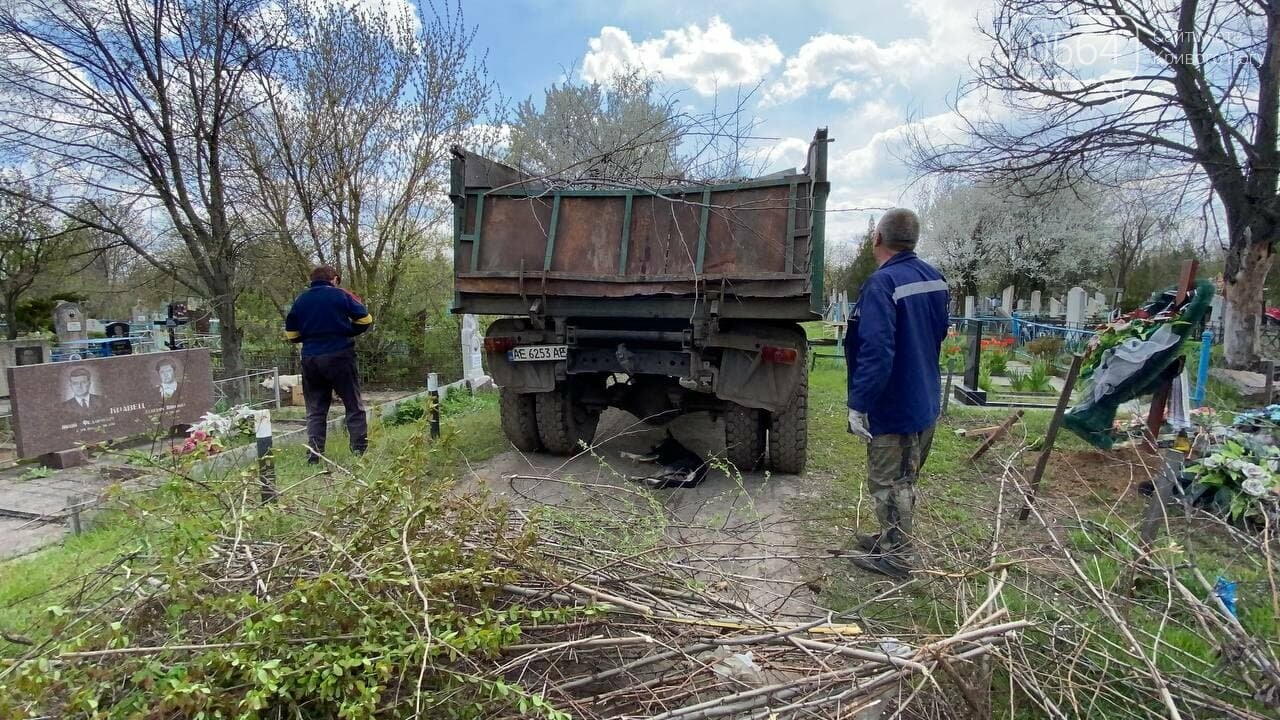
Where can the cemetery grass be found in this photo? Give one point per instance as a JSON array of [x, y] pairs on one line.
[[33, 587], [1089, 499]]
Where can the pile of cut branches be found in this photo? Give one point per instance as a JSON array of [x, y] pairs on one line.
[[387, 594]]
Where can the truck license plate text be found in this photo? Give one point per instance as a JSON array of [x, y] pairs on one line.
[[529, 353]]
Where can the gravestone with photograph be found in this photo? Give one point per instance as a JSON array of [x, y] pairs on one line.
[[69, 322], [23, 351], [123, 345], [61, 406]]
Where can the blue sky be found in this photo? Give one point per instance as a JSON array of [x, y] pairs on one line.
[[861, 67]]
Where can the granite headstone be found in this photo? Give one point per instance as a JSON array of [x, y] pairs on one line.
[[69, 322], [59, 406], [23, 351], [968, 391], [1076, 298]]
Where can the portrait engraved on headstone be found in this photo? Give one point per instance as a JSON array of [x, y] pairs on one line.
[[168, 380], [29, 355], [83, 398]]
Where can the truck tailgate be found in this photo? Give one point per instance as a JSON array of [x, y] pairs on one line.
[[516, 236]]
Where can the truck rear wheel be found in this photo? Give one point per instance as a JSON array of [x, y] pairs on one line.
[[789, 432], [563, 423], [744, 438], [520, 419]]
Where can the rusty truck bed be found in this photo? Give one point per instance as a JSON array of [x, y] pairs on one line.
[[756, 246]]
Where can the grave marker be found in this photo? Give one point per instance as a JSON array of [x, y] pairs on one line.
[[1006, 300], [1035, 302], [968, 392], [1076, 298], [472, 349], [69, 322], [60, 406]]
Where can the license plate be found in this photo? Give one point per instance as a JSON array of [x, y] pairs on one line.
[[533, 353]]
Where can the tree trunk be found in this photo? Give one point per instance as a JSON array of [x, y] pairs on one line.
[[1243, 285], [231, 335], [10, 315]]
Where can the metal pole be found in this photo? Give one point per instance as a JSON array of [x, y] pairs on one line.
[[1269, 367], [266, 461], [433, 391], [946, 393], [275, 373], [1051, 435], [73, 505], [1202, 372]]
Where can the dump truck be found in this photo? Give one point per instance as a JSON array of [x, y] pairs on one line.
[[658, 300]]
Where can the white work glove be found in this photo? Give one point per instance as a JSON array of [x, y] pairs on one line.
[[858, 425]]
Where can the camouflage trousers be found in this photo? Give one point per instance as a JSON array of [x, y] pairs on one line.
[[893, 461]]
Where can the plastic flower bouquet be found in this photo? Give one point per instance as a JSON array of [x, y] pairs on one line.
[[1242, 479]]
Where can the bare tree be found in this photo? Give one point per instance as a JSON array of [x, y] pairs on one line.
[[132, 101], [347, 158], [1199, 98], [1138, 218]]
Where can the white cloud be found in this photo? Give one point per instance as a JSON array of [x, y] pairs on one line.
[[875, 115], [706, 59], [854, 65], [849, 63]]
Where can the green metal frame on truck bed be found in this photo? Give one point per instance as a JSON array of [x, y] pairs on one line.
[[750, 249]]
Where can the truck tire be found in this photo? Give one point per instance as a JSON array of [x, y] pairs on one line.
[[563, 423], [744, 439], [520, 419], [789, 432]]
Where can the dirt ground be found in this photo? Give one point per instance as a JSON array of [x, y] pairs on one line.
[[739, 533]]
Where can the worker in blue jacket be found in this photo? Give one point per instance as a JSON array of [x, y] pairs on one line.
[[326, 319], [891, 348]]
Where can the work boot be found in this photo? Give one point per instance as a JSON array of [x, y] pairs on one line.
[[887, 564], [869, 543]]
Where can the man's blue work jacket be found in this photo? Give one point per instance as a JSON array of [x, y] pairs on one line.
[[325, 319], [892, 345]]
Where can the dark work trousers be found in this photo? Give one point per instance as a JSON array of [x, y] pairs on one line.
[[322, 376]]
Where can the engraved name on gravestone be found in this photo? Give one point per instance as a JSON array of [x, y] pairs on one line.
[[69, 322], [60, 406]]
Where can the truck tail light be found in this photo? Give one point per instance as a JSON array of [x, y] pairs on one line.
[[499, 344], [779, 355]]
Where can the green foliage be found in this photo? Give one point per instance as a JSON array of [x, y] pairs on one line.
[[1038, 377], [36, 314], [391, 572], [984, 380], [1017, 381], [849, 275], [996, 361], [952, 355], [37, 472], [1047, 346], [408, 411]]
